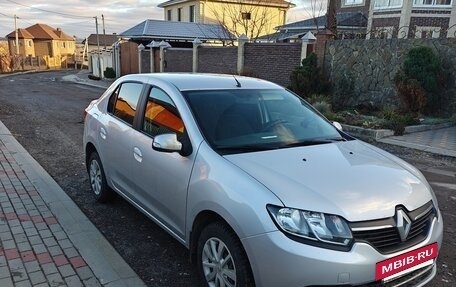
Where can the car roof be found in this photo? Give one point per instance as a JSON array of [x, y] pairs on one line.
[[199, 81]]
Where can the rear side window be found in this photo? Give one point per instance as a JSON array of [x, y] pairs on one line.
[[161, 115], [127, 99]]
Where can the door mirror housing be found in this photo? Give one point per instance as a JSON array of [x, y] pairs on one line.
[[338, 126], [166, 143]]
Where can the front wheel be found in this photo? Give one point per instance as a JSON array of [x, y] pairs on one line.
[[100, 188], [221, 258]]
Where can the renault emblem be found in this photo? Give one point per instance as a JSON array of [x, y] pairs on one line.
[[403, 224]]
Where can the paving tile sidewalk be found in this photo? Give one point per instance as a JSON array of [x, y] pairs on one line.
[[45, 240], [439, 141]]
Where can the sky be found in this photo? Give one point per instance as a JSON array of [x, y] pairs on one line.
[[76, 17]]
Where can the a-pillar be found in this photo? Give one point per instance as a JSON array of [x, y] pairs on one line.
[[196, 43]]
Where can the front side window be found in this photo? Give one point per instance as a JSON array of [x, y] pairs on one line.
[[161, 115], [124, 101], [384, 4], [169, 16], [251, 120]]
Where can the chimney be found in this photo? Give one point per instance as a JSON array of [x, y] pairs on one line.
[[59, 29]]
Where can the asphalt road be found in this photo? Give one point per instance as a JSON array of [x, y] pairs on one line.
[[45, 115]]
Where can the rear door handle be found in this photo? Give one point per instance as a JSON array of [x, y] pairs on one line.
[[103, 133], [137, 154]]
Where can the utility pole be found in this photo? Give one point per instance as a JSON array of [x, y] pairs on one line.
[[17, 34], [104, 31], [98, 47]]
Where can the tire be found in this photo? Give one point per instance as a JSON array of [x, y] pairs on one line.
[[97, 179], [213, 270]]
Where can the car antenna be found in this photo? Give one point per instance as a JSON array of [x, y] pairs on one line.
[[238, 84]]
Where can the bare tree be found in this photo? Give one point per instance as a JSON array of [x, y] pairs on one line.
[[315, 9], [252, 18]]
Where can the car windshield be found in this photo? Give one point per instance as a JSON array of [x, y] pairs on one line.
[[235, 121]]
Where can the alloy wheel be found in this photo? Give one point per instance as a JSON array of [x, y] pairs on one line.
[[95, 177]]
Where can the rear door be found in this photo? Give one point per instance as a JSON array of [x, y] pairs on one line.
[[116, 136]]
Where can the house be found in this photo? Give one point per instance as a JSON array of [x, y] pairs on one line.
[[4, 49], [41, 40], [349, 25], [105, 41], [412, 19], [178, 34], [252, 18]]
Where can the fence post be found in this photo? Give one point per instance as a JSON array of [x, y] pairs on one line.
[[196, 43], [152, 45], [140, 49], [163, 45], [307, 39], [240, 60]]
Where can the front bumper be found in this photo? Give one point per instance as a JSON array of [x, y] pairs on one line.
[[277, 260]]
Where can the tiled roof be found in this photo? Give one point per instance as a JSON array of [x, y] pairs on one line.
[[21, 34], [42, 32], [295, 30], [162, 30], [107, 40], [346, 19], [274, 3]]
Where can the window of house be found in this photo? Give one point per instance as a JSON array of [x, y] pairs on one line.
[[192, 13], [432, 3], [179, 14], [29, 43], [169, 15], [427, 32], [384, 4], [384, 32], [246, 15], [352, 2], [126, 100], [161, 115]]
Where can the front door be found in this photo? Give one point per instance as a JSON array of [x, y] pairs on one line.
[[162, 178]]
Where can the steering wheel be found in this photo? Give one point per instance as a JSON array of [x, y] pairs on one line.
[[272, 124]]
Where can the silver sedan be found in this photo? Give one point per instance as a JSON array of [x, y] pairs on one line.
[[259, 186]]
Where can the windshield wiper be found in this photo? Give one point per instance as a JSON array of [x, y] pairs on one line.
[[312, 142], [244, 148]]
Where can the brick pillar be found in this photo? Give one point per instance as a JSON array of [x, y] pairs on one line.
[[196, 43], [320, 45], [240, 60]]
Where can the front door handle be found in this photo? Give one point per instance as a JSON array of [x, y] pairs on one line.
[[103, 133], [137, 154]]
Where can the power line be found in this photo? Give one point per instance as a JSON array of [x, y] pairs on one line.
[[49, 11], [6, 15]]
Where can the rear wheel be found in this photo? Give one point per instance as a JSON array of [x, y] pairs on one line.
[[97, 179], [221, 258]]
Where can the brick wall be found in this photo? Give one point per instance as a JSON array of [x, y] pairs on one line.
[[178, 60], [219, 60], [443, 23], [273, 62], [387, 22]]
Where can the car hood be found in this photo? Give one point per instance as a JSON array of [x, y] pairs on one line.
[[350, 179]]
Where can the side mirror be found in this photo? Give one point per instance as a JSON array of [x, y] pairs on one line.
[[166, 143], [338, 126]]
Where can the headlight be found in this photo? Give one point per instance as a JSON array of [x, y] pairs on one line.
[[315, 226]]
